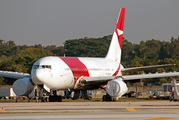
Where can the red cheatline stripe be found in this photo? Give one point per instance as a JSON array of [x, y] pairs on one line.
[[77, 67], [116, 71]]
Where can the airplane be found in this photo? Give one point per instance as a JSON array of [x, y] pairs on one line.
[[54, 73]]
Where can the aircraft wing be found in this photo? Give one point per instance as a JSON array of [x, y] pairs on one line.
[[103, 80], [97, 80], [14, 75], [134, 69], [145, 76]]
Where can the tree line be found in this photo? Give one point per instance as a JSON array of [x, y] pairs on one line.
[[20, 58]]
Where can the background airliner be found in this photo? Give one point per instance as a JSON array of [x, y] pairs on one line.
[[82, 73]]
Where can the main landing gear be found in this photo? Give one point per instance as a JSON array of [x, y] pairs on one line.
[[107, 97], [83, 93], [52, 98]]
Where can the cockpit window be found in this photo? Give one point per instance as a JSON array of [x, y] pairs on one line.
[[48, 66], [36, 66], [42, 66]]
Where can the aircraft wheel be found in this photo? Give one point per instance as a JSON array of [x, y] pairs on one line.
[[175, 100], [104, 98], [114, 100], [107, 98], [59, 98], [43, 99]]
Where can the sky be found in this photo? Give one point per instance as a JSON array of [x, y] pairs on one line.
[[51, 22]]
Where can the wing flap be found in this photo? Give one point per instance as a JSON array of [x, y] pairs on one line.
[[97, 80]]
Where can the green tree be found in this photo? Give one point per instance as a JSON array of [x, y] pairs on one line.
[[2, 81], [86, 47], [59, 51], [128, 52], [26, 58]]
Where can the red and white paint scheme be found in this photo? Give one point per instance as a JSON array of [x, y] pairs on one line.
[[83, 73], [68, 72]]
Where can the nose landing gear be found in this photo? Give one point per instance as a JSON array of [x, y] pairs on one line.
[[55, 97]]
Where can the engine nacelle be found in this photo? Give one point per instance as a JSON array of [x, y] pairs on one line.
[[116, 88], [22, 87]]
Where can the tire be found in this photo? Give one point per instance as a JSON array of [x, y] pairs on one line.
[[42, 99], [104, 98]]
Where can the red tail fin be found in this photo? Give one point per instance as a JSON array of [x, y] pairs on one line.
[[115, 48], [120, 26]]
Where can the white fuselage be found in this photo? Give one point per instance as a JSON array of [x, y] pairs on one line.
[[63, 72]]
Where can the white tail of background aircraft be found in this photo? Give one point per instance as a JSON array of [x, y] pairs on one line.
[[82, 73]]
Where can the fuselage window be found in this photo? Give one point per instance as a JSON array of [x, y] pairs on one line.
[[48, 66], [42, 66]]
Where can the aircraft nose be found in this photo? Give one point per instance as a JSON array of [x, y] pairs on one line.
[[38, 76]]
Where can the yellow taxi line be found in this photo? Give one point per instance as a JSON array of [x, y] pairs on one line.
[[2, 110], [131, 109], [162, 118]]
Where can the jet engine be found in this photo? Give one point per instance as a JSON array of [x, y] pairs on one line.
[[116, 88], [23, 87]]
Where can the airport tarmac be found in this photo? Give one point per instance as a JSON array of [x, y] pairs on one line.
[[91, 116], [139, 110]]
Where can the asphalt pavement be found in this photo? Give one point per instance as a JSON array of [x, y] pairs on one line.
[[141, 110]]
